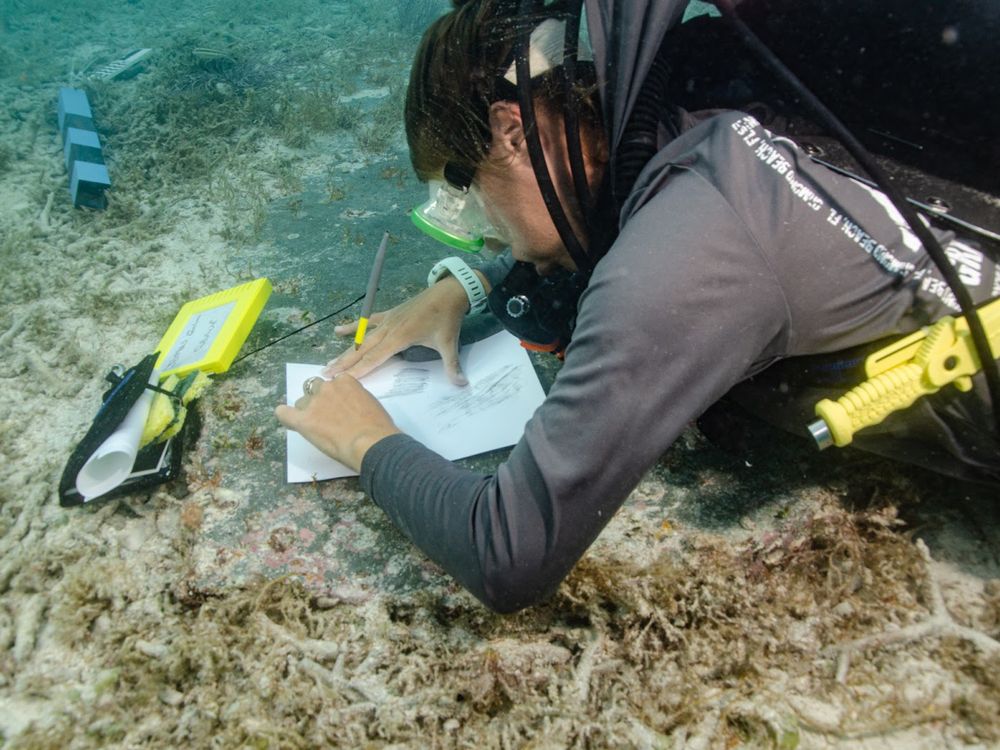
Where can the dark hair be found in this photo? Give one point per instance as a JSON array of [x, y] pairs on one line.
[[458, 73]]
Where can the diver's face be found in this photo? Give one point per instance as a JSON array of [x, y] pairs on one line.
[[514, 205], [510, 193]]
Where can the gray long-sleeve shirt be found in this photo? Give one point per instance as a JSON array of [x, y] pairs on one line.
[[735, 251]]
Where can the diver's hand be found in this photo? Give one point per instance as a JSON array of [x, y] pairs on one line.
[[340, 418], [433, 318]]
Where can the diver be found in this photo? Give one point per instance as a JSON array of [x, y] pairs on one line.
[[672, 256]]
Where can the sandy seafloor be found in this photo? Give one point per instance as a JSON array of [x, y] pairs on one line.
[[724, 606]]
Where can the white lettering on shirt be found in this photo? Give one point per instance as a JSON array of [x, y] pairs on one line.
[[940, 289], [910, 240], [765, 151], [967, 261]]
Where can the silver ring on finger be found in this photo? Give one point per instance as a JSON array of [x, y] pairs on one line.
[[309, 387]]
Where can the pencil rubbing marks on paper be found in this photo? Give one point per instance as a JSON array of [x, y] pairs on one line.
[[407, 382], [495, 388], [488, 414]]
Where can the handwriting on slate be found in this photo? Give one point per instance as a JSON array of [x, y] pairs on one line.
[[197, 337]]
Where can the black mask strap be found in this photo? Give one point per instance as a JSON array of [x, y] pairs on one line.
[[528, 10], [571, 47]]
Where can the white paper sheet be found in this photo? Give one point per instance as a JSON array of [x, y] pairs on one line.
[[112, 462], [454, 421]]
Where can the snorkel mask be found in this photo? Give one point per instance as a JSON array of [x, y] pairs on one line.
[[541, 311], [454, 213]]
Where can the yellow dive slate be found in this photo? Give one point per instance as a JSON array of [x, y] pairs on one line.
[[208, 332]]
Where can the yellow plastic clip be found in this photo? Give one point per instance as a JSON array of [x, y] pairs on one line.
[[920, 364]]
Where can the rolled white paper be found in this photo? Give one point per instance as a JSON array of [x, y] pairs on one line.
[[112, 462]]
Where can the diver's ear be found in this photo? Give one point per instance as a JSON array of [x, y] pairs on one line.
[[506, 128]]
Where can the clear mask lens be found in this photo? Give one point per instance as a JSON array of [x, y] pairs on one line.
[[455, 217]]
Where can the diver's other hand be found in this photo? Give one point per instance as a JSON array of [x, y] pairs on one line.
[[340, 418], [433, 318]]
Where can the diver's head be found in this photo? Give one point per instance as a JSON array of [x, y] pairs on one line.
[[464, 128]]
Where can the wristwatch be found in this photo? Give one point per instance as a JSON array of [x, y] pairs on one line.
[[468, 278]]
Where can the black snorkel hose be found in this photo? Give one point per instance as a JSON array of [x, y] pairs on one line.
[[529, 9], [571, 49], [598, 210], [639, 139], [861, 155]]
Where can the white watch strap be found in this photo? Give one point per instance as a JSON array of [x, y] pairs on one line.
[[468, 278]]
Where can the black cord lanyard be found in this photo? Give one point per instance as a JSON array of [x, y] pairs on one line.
[[299, 330], [528, 11]]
